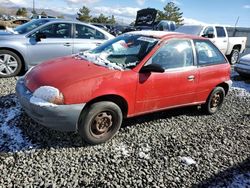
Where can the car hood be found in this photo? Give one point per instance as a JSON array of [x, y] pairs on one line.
[[4, 32], [10, 36], [145, 17], [63, 72]]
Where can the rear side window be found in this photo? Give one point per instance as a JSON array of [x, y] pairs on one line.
[[208, 54], [220, 32], [174, 54], [85, 32]]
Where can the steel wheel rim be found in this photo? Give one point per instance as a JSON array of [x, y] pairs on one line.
[[216, 101], [101, 124], [8, 64], [234, 58]]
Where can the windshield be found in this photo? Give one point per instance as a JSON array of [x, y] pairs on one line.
[[190, 29], [29, 26], [123, 52]]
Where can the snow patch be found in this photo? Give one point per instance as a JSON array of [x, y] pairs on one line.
[[122, 150], [143, 155], [46, 93], [100, 59], [145, 151], [44, 96], [241, 92], [40, 102], [11, 137], [239, 83], [187, 160]]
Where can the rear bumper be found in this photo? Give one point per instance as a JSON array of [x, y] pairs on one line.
[[60, 117]]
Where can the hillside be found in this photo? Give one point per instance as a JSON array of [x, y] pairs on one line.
[[13, 10]]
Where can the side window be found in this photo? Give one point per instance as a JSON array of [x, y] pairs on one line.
[[85, 32], [208, 31], [220, 32], [57, 30], [174, 54], [208, 54]]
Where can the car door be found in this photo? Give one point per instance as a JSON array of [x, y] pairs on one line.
[[222, 40], [176, 86], [56, 42], [211, 68], [86, 37]]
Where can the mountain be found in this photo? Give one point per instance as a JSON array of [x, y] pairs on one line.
[[11, 10]]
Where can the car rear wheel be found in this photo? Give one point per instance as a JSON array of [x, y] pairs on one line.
[[100, 122], [10, 64], [234, 56], [214, 101]]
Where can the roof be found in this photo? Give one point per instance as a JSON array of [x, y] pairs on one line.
[[156, 34], [163, 34]]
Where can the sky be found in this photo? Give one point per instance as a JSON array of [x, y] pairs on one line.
[[224, 12]]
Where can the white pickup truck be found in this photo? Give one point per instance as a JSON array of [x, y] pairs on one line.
[[230, 46]]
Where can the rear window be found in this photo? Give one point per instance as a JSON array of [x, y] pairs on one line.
[[220, 32]]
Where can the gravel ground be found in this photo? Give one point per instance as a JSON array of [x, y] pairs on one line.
[[174, 148]]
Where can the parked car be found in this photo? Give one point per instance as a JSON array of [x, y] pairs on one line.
[[146, 20], [243, 67], [132, 74], [43, 39], [229, 46]]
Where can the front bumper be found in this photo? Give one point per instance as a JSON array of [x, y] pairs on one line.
[[60, 117]]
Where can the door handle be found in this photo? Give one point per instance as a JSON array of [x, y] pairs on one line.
[[224, 41], [191, 78], [98, 43], [67, 44]]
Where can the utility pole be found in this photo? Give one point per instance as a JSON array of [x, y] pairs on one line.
[[33, 11]]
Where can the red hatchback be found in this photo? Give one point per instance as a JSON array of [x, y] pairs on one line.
[[132, 74]]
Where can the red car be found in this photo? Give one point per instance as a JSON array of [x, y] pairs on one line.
[[133, 74]]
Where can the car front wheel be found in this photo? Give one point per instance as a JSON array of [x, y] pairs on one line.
[[100, 122], [10, 64], [214, 101]]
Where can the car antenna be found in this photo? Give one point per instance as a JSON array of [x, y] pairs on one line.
[[236, 25]]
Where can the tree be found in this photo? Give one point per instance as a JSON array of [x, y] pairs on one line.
[[83, 14], [171, 12], [112, 20], [103, 19], [21, 12], [43, 13]]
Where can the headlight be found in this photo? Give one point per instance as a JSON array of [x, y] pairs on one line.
[[47, 94]]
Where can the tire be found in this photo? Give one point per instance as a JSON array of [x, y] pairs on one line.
[[234, 56], [10, 64], [100, 122], [214, 101]]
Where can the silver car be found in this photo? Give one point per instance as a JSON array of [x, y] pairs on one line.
[[43, 39]]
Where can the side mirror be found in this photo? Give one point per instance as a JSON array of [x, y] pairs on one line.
[[152, 68], [208, 35], [40, 36]]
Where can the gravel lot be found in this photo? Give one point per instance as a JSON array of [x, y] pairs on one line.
[[175, 148]]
